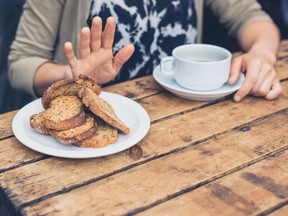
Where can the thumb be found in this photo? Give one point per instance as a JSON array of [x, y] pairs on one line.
[[235, 69], [68, 73], [122, 56]]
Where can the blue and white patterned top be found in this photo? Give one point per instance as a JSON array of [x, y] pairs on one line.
[[154, 27]]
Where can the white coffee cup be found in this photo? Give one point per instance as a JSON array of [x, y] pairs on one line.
[[199, 67]]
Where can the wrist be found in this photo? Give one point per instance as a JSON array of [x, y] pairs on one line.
[[68, 73], [265, 53]]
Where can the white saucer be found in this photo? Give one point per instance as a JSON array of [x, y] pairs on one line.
[[168, 82]]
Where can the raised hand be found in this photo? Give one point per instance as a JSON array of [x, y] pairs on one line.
[[95, 53]]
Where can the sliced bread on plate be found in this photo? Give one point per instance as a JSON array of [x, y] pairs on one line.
[[77, 134], [104, 135], [37, 123], [68, 87], [65, 112], [102, 109]]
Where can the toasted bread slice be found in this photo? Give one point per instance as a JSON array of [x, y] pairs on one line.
[[88, 82], [104, 135], [102, 109], [77, 134], [65, 112], [68, 87], [37, 123]]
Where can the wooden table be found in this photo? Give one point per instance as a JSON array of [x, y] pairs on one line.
[[199, 158]]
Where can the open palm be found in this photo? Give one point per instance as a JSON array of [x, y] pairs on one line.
[[95, 53]]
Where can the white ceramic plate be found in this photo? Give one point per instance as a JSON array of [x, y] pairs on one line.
[[168, 82], [130, 112]]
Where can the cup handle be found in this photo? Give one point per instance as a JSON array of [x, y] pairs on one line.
[[166, 65]]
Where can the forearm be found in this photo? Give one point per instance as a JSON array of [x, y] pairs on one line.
[[47, 74], [262, 36]]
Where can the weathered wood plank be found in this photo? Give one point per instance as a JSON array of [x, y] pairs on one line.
[[158, 106], [6, 124], [283, 50], [281, 69], [246, 192], [284, 44], [282, 63], [166, 104], [158, 179], [137, 88], [145, 91], [13, 153], [280, 212], [163, 137]]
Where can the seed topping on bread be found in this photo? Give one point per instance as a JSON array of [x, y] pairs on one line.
[[77, 134], [102, 109], [104, 135], [68, 87], [65, 112]]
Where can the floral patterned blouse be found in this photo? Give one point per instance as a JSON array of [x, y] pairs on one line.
[[154, 27]]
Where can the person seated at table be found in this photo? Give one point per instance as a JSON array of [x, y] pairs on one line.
[[146, 31]]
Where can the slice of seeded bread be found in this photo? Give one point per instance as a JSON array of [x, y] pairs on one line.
[[68, 87], [37, 123], [104, 135], [77, 134], [102, 109], [65, 112]]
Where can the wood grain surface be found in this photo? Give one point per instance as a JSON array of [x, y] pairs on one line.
[[198, 158]]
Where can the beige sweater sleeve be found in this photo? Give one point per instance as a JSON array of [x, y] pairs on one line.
[[35, 40], [237, 14]]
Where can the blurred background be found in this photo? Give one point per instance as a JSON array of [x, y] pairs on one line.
[[10, 12], [214, 33]]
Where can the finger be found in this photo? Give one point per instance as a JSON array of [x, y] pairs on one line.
[[250, 80], [69, 54], [275, 91], [84, 43], [235, 70], [96, 33], [266, 86], [122, 56], [266, 73], [108, 33]]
